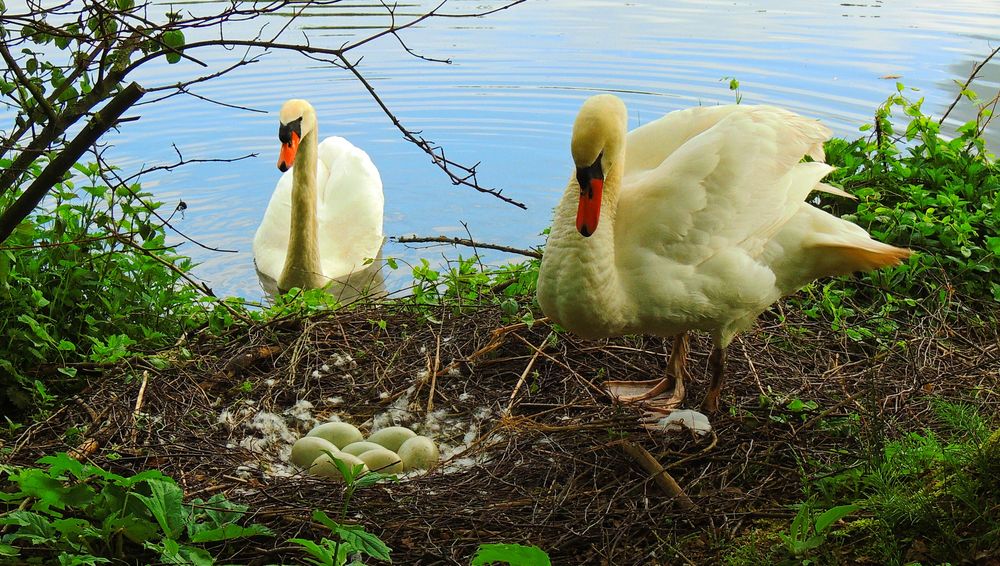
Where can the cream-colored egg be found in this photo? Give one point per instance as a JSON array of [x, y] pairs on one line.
[[307, 448], [359, 448], [419, 453], [340, 434], [324, 467], [392, 437], [382, 460]]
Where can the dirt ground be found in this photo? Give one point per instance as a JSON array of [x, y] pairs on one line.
[[535, 451]]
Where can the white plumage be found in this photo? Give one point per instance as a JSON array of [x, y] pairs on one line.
[[346, 223], [703, 224]]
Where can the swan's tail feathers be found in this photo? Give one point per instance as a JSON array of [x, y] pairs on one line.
[[830, 189], [863, 256]]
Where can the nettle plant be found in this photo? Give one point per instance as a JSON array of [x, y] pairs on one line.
[[919, 188], [87, 278], [83, 514]]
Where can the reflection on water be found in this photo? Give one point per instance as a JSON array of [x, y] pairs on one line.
[[509, 97]]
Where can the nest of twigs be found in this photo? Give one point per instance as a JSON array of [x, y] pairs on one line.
[[553, 461]]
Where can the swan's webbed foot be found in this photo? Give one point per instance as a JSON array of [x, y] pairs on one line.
[[651, 394]]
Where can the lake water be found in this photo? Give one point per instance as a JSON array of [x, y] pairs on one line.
[[511, 93]]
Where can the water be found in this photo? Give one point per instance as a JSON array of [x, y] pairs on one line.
[[510, 95]]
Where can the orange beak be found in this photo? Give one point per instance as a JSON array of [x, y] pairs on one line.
[[286, 156], [589, 210], [591, 181]]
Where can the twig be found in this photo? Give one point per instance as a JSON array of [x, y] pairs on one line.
[[464, 242], [138, 406], [527, 370], [434, 374], [972, 77], [665, 481]]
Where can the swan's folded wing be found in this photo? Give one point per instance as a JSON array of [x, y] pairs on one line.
[[732, 186]]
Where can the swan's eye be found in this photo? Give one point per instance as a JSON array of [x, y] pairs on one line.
[[285, 130]]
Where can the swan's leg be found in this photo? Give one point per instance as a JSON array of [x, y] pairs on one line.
[[717, 365], [676, 372], [634, 391]]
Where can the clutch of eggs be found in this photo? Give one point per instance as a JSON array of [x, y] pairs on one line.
[[390, 450]]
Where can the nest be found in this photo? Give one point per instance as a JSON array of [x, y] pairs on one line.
[[536, 452]]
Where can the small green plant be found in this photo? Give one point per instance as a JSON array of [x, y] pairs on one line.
[[512, 554], [935, 487], [808, 531], [350, 539], [83, 514]]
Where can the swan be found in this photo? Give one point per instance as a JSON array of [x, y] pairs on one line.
[[695, 221], [324, 220]]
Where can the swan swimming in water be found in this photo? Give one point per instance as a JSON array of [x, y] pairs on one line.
[[695, 221], [324, 220]]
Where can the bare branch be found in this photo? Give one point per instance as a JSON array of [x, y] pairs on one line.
[[468, 242], [95, 128], [972, 76]]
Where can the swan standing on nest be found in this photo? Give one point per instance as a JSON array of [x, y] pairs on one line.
[[324, 220], [695, 221]]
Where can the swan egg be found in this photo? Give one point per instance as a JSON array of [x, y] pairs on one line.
[[308, 448], [419, 453], [392, 437], [324, 467], [359, 448], [338, 433], [382, 460]]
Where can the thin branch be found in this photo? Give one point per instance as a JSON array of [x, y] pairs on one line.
[[26, 82], [972, 77], [465, 242], [467, 177], [95, 128]]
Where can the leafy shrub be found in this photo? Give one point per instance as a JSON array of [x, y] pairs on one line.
[[82, 514], [87, 278], [920, 189]]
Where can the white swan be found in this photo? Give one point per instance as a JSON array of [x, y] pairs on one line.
[[695, 221], [324, 220]]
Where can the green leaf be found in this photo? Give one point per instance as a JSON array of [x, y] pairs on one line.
[[357, 538], [323, 555], [165, 505], [231, 531], [174, 39], [513, 554], [833, 515]]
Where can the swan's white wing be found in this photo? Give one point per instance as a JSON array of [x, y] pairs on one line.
[[733, 185], [689, 231], [350, 209]]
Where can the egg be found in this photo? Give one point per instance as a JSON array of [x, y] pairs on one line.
[[359, 448], [382, 460], [324, 467], [308, 448], [392, 437], [419, 453], [339, 434]]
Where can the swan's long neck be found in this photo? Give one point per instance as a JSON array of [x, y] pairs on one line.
[[302, 264], [579, 283]]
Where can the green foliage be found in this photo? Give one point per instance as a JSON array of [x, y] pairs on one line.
[[916, 188], [466, 283], [935, 489], [87, 278], [809, 531], [351, 540], [513, 554], [83, 514]]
